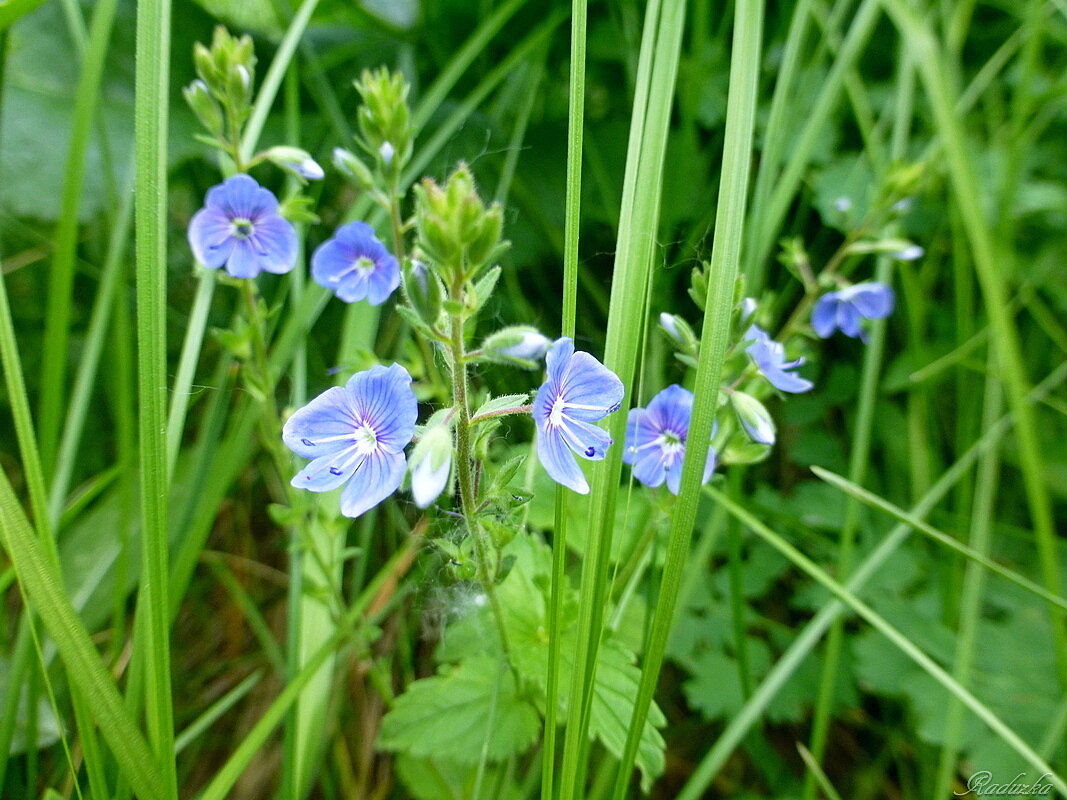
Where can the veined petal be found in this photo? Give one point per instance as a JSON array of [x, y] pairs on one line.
[[824, 315], [559, 461], [377, 476], [591, 390], [559, 356], [328, 472], [240, 196], [671, 409], [383, 281], [322, 427], [872, 300], [210, 237], [651, 467], [586, 439], [277, 243], [383, 399], [244, 261], [640, 435]]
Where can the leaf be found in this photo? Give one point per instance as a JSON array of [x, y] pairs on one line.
[[461, 711], [502, 403]]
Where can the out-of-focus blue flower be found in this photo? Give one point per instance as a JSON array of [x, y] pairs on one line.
[[579, 391], [846, 308], [356, 434], [656, 438], [769, 357], [355, 265], [912, 252], [239, 226], [754, 418]]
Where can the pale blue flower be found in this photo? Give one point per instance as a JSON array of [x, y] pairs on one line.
[[355, 265], [239, 226], [656, 437], [356, 434], [769, 357], [846, 308], [532, 346], [578, 391]]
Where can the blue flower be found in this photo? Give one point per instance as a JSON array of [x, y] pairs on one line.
[[578, 392], [356, 434], [656, 437], [356, 265], [769, 357], [239, 226], [845, 308]]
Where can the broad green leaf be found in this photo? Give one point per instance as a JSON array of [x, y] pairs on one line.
[[454, 715]]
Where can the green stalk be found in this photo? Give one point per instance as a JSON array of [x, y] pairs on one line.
[[571, 231], [61, 276], [715, 336], [150, 223], [989, 258], [639, 215]]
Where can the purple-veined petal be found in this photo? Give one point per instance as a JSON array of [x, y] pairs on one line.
[[671, 409], [640, 435], [322, 427], [559, 356], [378, 476], [383, 281], [328, 472], [244, 261], [651, 467], [241, 197], [210, 237], [824, 315], [559, 462], [276, 239], [382, 398], [586, 439], [590, 390]]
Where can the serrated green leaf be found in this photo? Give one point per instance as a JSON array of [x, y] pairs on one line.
[[502, 403], [455, 715]]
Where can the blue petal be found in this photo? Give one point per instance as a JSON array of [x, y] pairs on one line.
[[328, 472], [592, 442], [244, 261], [872, 300], [651, 467], [848, 319], [383, 399], [587, 382], [240, 196], [277, 244], [210, 237], [671, 409], [331, 264], [787, 381], [559, 462], [640, 433], [383, 281], [559, 356], [378, 476], [328, 416], [824, 316]]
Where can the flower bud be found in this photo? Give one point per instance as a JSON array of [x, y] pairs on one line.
[[353, 168], [678, 331], [204, 106], [521, 346], [754, 418], [748, 308], [423, 290], [297, 161], [386, 153], [910, 253], [431, 462]]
